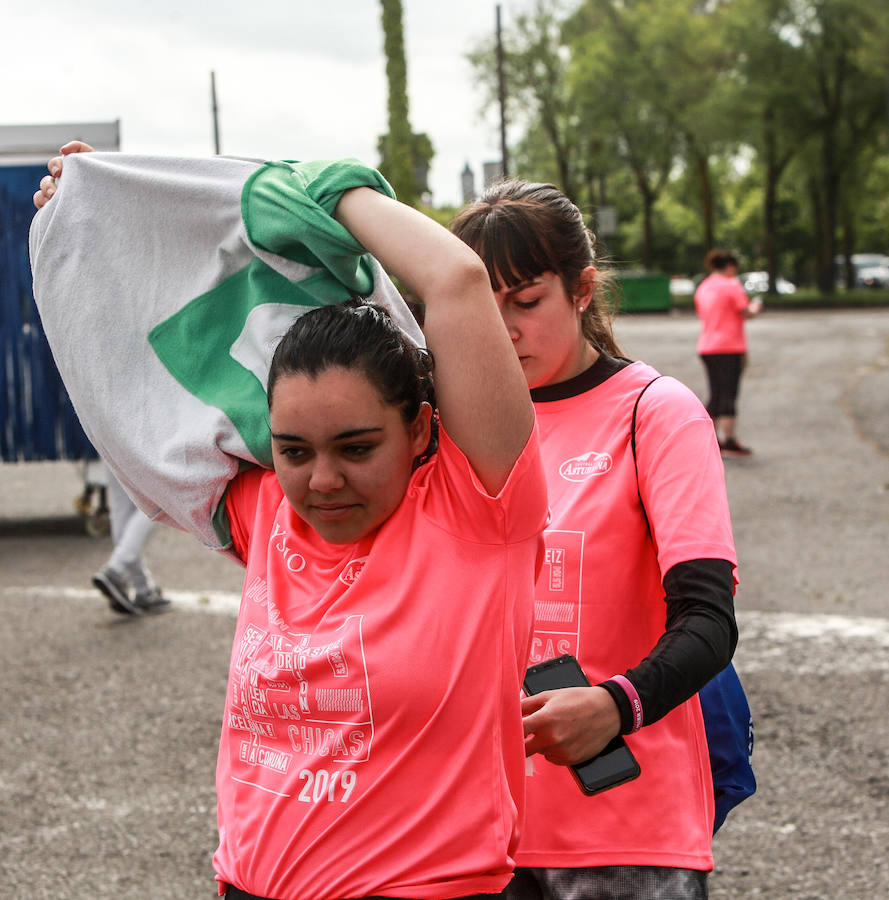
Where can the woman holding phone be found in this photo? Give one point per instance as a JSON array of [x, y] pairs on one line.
[[723, 307], [638, 576]]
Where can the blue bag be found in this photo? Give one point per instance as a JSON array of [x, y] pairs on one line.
[[729, 728], [728, 723]]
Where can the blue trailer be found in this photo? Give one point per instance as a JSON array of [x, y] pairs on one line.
[[37, 420]]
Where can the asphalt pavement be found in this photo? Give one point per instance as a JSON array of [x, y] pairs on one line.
[[110, 724]]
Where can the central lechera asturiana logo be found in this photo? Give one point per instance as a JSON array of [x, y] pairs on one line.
[[580, 468]]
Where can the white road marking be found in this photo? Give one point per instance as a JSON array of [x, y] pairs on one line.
[[226, 602], [800, 643], [814, 643]]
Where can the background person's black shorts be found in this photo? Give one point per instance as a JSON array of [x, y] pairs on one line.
[[724, 377]]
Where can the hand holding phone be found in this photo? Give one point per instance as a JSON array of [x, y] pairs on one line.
[[615, 764]]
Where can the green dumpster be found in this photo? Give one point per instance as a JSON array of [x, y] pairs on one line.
[[644, 292]]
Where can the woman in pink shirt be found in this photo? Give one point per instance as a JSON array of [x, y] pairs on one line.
[[372, 739], [638, 576], [723, 306]]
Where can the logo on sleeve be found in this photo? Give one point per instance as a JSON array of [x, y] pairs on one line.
[[581, 468]]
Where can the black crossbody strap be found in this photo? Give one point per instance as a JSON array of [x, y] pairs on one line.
[[633, 445]]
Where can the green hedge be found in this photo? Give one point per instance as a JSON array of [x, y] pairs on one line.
[[813, 299], [643, 292]]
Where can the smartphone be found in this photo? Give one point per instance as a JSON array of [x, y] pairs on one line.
[[615, 764]]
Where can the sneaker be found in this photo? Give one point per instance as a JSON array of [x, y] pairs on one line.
[[114, 587], [731, 447], [152, 601]]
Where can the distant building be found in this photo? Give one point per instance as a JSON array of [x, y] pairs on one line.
[[492, 172], [467, 183]]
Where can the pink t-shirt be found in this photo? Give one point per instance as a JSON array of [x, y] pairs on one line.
[[372, 740], [600, 597], [720, 302]]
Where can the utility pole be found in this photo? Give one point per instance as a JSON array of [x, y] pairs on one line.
[[501, 89], [215, 112]]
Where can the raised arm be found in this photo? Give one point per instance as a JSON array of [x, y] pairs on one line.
[[481, 390]]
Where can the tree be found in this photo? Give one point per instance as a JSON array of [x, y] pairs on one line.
[[404, 156], [421, 154], [846, 104], [686, 39], [624, 98], [712, 106], [768, 116], [535, 58]]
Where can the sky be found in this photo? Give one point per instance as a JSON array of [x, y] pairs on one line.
[[295, 79]]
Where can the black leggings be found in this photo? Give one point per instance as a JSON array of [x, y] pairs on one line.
[[234, 893], [724, 377], [608, 883]]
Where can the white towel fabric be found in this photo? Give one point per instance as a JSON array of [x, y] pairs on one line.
[[164, 284]]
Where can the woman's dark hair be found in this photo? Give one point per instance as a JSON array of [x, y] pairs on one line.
[[359, 335], [718, 260], [522, 229]]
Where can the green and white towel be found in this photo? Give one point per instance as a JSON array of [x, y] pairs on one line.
[[164, 285]]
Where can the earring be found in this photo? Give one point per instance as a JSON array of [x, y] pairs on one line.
[[580, 309]]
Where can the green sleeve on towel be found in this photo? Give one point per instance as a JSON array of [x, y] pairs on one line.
[[288, 208]]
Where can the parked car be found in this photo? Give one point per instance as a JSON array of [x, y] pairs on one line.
[[758, 283], [872, 276], [681, 287], [870, 269]]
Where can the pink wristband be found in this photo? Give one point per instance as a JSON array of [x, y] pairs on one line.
[[635, 703]]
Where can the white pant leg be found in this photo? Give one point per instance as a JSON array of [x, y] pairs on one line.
[[120, 506], [130, 528]]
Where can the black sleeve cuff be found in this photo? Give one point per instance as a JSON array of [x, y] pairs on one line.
[[623, 705]]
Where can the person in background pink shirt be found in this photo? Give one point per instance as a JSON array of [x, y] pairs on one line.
[[723, 307]]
